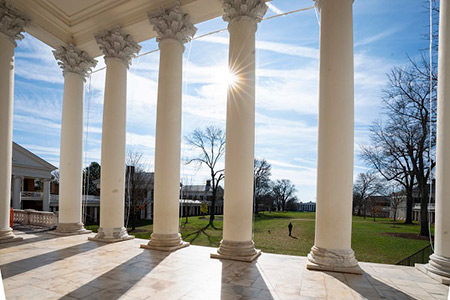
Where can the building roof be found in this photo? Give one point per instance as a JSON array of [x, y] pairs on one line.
[[27, 164], [195, 188]]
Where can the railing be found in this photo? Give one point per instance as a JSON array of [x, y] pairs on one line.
[[420, 257], [31, 195], [431, 206], [34, 217]]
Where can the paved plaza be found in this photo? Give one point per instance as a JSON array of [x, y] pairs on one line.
[[46, 266]]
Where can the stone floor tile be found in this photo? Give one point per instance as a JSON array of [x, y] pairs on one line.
[[83, 292], [45, 267]]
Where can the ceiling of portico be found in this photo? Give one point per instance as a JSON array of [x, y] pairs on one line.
[[58, 22]]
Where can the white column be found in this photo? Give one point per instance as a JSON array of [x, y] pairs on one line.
[[439, 263], [172, 32], [46, 196], [119, 48], [237, 243], [95, 214], [332, 248], [12, 23], [17, 191], [75, 65]]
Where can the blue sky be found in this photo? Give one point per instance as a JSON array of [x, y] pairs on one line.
[[385, 31]]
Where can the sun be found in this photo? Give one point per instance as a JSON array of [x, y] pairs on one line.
[[226, 78], [230, 78]]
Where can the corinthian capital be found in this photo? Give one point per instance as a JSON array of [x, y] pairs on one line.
[[172, 24], [12, 21], [73, 60], [235, 10], [115, 43]]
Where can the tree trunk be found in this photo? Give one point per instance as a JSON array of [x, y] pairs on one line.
[[409, 205], [213, 203], [133, 218], [424, 211]]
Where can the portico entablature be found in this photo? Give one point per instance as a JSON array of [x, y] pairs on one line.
[[58, 23]]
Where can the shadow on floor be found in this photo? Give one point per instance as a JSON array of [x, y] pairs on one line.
[[243, 280], [369, 287], [113, 284], [39, 236], [28, 264]]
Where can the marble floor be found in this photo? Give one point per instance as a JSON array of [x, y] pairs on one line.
[[45, 266]]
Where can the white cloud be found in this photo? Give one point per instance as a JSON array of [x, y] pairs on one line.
[[134, 139], [42, 150], [34, 61], [379, 36], [280, 48], [273, 8]]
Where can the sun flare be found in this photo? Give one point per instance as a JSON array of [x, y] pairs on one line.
[[226, 78]]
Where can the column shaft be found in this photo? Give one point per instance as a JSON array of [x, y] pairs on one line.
[[6, 127], [168, 137], [240, 133], [173, 28], [71, 156], [237, 243], [332, 249], [46, 196], [112, 179], [17, 192], [167, 148], [440, 261]]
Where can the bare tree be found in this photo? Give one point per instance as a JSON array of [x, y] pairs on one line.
[[90, 174], [137, 187], [283, 191], [292, 204], [402, 148], [261, 182], [211, 145], [408, 96], [366, 185], [396, 199], [374, 207]]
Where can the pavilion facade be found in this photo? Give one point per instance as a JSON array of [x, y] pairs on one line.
[[78, 39]]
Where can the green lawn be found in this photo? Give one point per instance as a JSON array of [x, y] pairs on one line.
[[372, 241]]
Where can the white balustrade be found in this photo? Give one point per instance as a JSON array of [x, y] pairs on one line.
[[34, 217], [31, 195]]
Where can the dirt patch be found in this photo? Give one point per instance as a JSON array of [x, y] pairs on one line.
[[404, 235]]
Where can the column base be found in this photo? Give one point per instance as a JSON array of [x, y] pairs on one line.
[[111, 235], [240, 251], [70, 229], [437, 268], [165, 242], [7, 236], [342, 261]]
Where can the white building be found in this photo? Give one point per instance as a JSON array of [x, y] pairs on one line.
[[307, 206], [29, 171]]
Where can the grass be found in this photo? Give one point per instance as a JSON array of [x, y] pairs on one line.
[[372, 241]]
